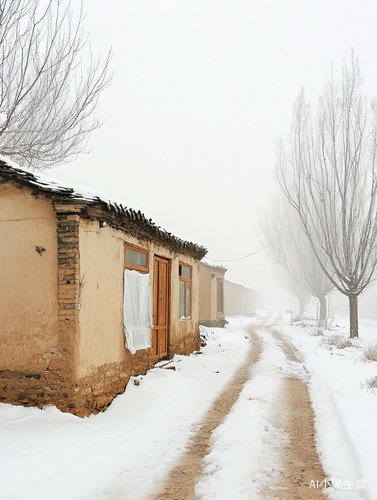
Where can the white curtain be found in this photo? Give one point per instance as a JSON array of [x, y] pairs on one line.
[[137, 311]]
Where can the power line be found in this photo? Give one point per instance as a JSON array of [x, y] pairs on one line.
[[246, 256]]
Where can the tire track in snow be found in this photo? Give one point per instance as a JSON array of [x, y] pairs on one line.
[[283, 421], [276, 458], [181, 481], [336, 433], [245, 457], [300, 461]]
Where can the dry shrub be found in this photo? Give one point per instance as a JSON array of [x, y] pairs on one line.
[[371, 384], [370, 353], [338, 341], [315, 330], [314, 326]]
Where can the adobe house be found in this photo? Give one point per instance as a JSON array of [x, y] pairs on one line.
[[240, 299], [82, 276], [211, 293]]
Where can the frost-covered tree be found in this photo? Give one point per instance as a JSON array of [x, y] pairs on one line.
[[49, 82], [288, 246], [327, 169]]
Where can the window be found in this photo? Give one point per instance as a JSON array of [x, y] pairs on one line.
[[220, 295], [136, 258], [184, 291], [136, 299], [136, 310]]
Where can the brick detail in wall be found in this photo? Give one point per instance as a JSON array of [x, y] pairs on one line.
[[68, 301]]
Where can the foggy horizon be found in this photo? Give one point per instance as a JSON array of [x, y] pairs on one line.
[[200, 95]]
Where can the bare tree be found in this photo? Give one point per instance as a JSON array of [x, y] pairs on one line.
[[287, 245], [327, 170], [296, 288], [49, 82]]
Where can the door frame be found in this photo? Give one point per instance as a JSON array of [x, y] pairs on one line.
[[168, 302]]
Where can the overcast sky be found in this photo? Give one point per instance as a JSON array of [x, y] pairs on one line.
[[202, 90]]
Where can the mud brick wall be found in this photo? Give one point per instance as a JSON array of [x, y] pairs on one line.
[[185, 346], [53, 382], [55, 378], [96, 391], [32, 359]]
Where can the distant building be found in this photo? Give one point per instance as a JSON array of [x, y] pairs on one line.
[[211, 293], [240, 299], [92, 292]]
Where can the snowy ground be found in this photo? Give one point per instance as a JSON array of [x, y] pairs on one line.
[[127, 452], [345, 405]]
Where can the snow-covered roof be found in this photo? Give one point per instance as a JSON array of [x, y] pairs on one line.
[[49, 184], [95, 205], [213, 264], [241, 285]]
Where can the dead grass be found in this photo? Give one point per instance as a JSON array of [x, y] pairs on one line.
[[371, 383], [370, 353], [315, 327], [337, 341]]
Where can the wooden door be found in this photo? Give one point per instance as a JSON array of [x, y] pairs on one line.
[[160, 308]]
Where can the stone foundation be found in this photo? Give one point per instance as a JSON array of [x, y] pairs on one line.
[[92, 393], [185, 346], [219, 323], [95, 392], [38, 389]]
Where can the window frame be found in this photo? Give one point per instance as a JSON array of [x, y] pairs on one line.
[[140, 269], [186, 281]]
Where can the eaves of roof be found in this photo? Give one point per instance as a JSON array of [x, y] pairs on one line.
[[93, 205]]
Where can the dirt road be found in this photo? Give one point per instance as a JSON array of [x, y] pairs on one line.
[[182, 479], [294, 415], [300, 464]]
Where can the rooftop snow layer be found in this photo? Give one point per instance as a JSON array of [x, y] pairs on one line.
[[66, 192], [242, 285], [212, 263]]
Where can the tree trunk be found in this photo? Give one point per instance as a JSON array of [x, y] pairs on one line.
[[354, 322], [322, 311], [303, 303]]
